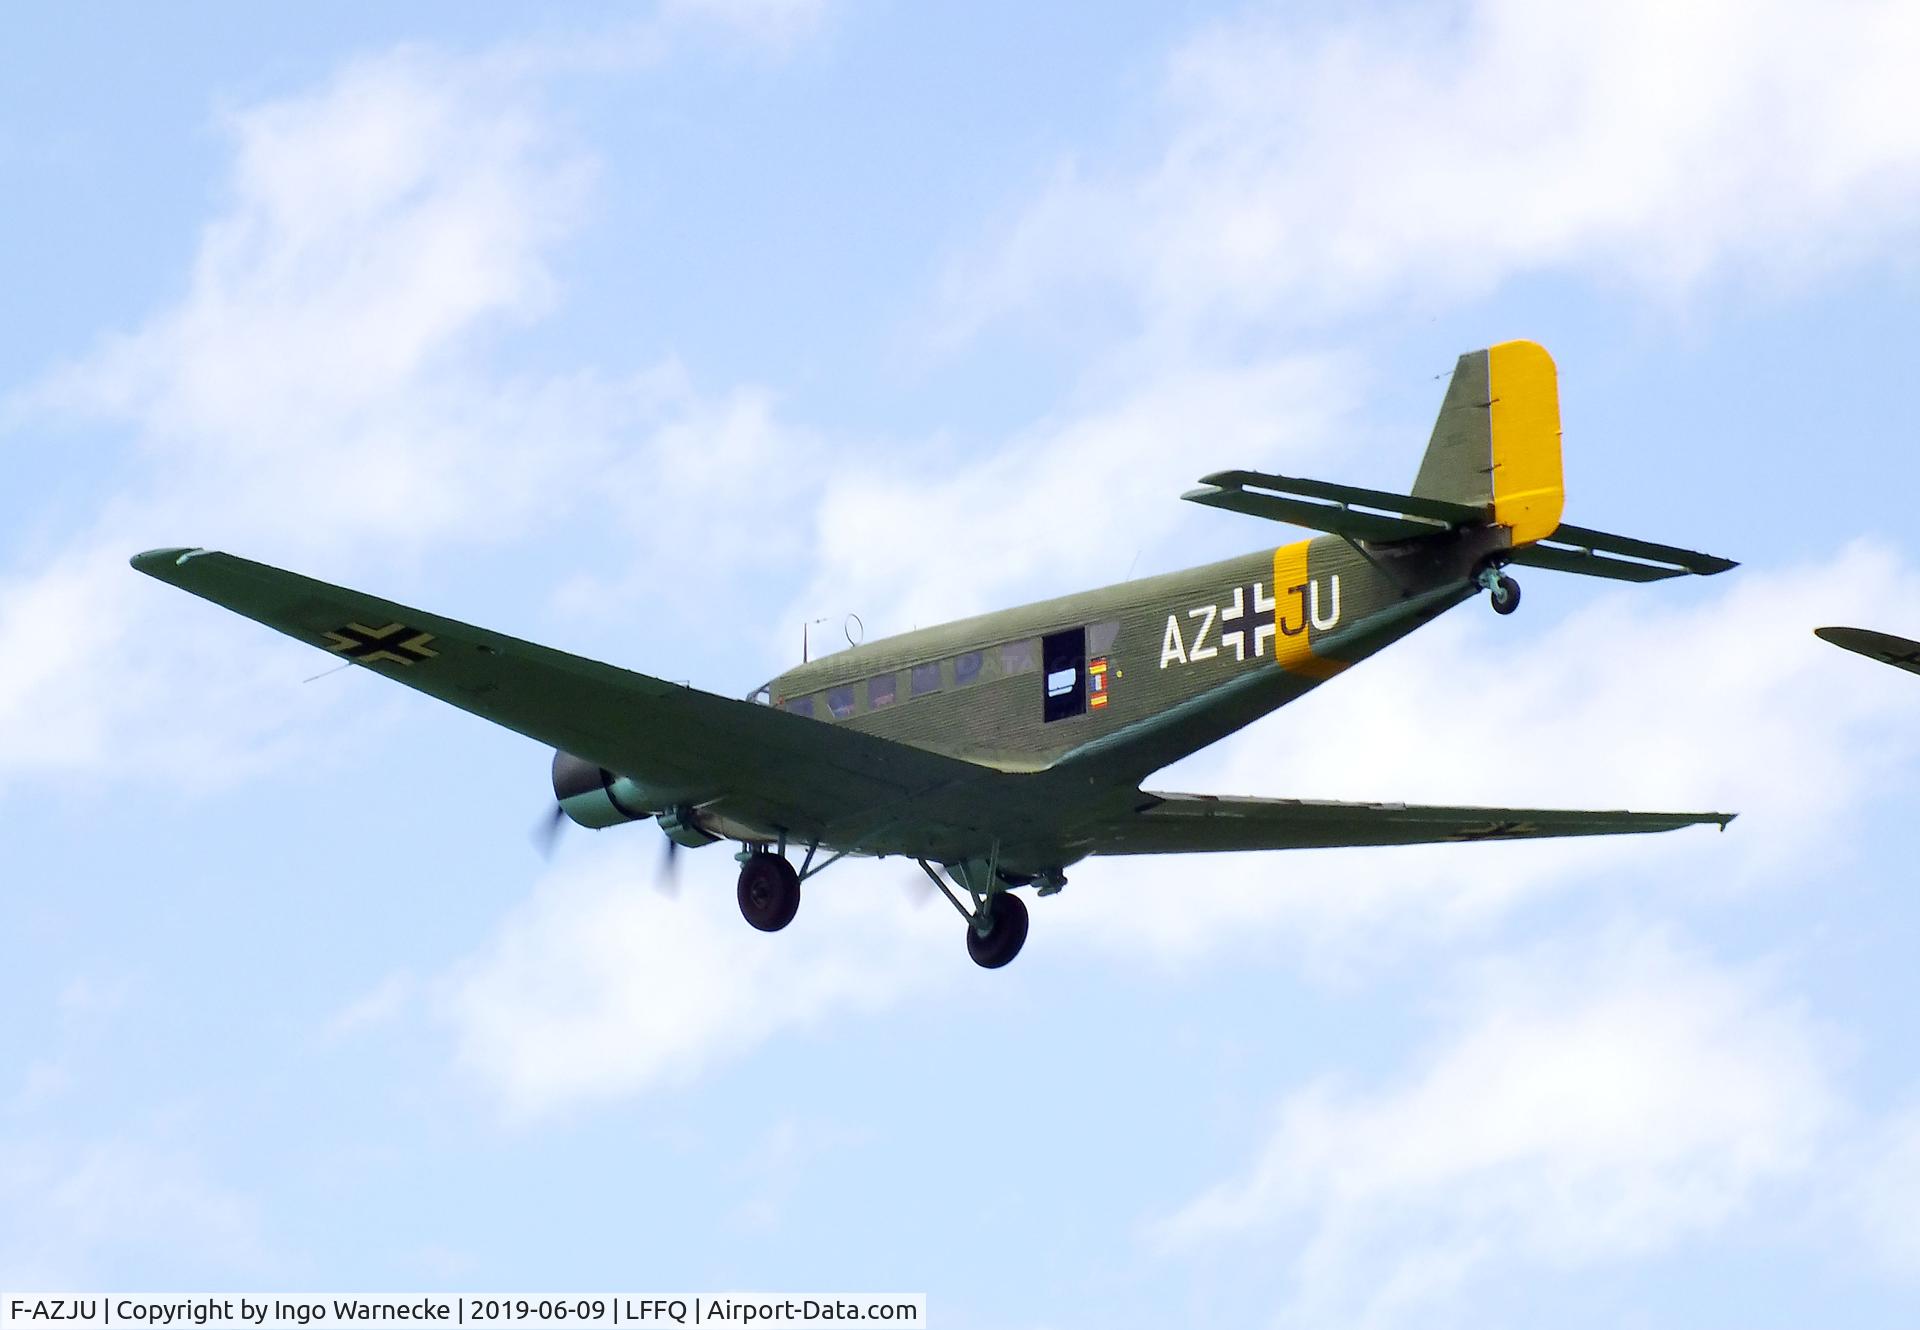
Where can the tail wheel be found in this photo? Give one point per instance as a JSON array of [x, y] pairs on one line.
[[1505, 595], [769, 892], [1006, 932]]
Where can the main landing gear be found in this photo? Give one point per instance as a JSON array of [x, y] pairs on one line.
[[1502, 591], [997, 924], [1006, 932], [769, 891]]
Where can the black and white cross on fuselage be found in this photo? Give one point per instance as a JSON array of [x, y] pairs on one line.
[[1249, 601]]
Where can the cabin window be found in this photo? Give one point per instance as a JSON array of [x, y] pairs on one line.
[[926, 679], [840, 701], [1018, 658], [882, 691], [1101, 636], [966, 669], [799, 706], [1064, 662]]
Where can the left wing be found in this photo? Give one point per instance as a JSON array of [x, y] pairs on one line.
[[816, 780], [1189, 823]]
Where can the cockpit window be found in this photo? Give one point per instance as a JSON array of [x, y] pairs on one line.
[[799, 706], [840, 701], [882, 690]]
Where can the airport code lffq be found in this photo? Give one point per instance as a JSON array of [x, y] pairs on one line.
[[409, 1311]]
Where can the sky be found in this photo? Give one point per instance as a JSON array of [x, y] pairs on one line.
[[654, 332]]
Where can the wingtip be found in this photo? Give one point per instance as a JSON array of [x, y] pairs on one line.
[[155, 562]]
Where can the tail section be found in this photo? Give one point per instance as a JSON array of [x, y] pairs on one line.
[[1493, 461], [1496, 443]]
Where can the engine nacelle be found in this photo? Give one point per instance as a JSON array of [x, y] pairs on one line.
[[593, 796]]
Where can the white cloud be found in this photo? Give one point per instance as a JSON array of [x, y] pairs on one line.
[[1065, 504], [322, 397], [1588, 1105], [1307, 172], [597, 987], [80, 1216], [324, 359], [1884, 1198], [1725, 701]]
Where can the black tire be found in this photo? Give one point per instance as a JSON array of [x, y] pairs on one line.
[[769, 892], [1004, 938], [1506, 595]]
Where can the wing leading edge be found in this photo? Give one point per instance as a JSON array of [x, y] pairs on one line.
[[1194, 823], [693, 746]]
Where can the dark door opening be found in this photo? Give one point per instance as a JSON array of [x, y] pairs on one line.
[[1064, 676]]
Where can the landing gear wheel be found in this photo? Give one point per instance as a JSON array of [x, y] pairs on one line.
[[769, 892], [1005, 936], [1505, 595]]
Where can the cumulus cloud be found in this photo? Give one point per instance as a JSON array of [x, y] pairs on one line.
[[1068, 502], [1641, 699], [323, 394], [1586, 1104], [596, 988], [1308, 171]]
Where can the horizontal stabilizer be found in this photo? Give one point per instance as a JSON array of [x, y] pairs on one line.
[[1378, 515], [1577, 549], [1343, 510]]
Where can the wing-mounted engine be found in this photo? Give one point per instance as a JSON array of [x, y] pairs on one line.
[[595, 797]]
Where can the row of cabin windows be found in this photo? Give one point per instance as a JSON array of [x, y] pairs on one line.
[[970, 667]]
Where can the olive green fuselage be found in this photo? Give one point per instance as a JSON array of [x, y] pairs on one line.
[[1142, 673]]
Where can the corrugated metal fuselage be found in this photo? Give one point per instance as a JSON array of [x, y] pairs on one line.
[[1137, 675]]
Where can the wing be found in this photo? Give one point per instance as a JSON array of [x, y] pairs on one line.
[[1188, 823], [783, 771], [1883, 647]]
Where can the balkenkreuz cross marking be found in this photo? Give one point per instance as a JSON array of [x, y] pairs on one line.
[[396, 643], [1249, 600]]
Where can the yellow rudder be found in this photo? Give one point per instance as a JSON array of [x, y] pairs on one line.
[[1524, 388]]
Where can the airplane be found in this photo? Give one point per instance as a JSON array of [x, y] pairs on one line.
[[1883, 647], [1006, 748]]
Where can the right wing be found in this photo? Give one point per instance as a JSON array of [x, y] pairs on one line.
[[1883, 647], [1191, 823], [780, 770]]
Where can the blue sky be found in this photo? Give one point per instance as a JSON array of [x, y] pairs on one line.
[[653, 333]]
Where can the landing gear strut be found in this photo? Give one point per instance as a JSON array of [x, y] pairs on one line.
[[1503, 591], [769, 891], [997, 924]]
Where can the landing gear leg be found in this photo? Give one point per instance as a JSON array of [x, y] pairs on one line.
[[1503, 591], [997, 924], [769, 891]]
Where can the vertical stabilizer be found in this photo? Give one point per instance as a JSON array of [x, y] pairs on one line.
[[1496, 443]]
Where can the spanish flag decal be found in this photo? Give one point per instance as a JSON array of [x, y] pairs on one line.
[[1097, 683]]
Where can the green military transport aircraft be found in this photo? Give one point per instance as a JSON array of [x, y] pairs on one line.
[[1007, 747], [1883, 647]]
